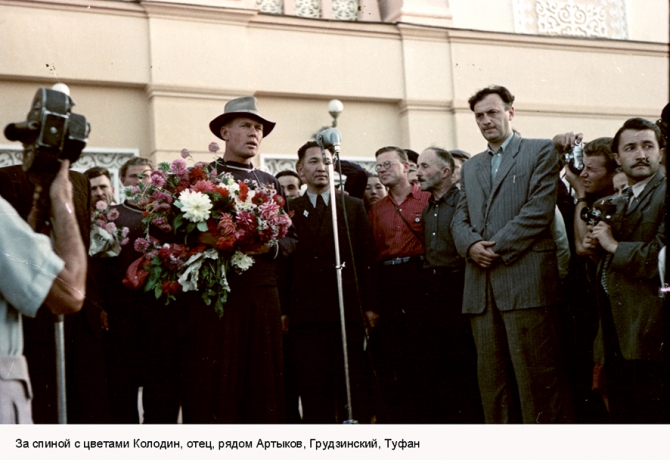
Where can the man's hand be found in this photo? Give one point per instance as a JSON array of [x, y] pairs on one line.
[[564, 142], [481, 253], [371, 318], [69, 288], [603, 233], [575, 182]]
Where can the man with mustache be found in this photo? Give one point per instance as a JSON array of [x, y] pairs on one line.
[[633, 327]]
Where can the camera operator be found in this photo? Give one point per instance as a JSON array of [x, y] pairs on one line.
[[632, 333], [580, 317], [32, 274]]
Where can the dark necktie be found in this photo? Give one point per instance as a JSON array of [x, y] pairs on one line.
[[320, 208]]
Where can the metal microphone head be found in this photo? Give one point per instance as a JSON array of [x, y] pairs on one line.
[[329, 139]]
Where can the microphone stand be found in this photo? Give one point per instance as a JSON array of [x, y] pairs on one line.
[[335, 146], [38, 215]]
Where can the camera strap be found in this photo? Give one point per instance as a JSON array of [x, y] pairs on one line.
[[414, 232]]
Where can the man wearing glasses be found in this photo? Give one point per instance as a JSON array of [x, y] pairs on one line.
[[398, 232]]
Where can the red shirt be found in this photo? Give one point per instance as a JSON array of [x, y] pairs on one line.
[[392, 236]]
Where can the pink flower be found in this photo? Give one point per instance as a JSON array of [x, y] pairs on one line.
[[157, 178], [100, 223], [141, 245], [178, 167], [269, 210], [226, 225], [113, 214], [214, 147], [161, 207], [185, 153], [124, 242], [203, 186], [162, 196], [125, 231], [110, 227], [101, 205]]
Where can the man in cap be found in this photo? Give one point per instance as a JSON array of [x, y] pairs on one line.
[[233, 365]]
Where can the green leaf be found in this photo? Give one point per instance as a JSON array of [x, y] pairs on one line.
[[202, 226], [178, 221], [158, 291]]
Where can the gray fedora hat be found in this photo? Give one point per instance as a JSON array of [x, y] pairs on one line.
[[240, 107]]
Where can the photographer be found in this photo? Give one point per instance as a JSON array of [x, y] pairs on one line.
[[32, 274], [632, 335]]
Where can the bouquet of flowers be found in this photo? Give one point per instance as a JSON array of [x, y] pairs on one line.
[[106, 237], [216, 223]]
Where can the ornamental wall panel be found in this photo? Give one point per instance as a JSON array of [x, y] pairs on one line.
[[577, 18]]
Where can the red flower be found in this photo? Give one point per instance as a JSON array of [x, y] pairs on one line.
[[181, 186], [225, 243], [223, 191], [171, 287], [279, 200], [259, 199], [244, 191], [197, 174]]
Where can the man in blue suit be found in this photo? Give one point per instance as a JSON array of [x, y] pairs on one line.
[[502, 228]]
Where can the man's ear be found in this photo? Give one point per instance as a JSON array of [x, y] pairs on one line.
[[511, 113], [224, 132], [616, 158]]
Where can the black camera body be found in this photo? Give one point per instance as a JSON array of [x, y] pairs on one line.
[[602, 210], [51, 132], [575, 158]]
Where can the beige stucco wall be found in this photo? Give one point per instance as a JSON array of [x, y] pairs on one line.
[[151, 75]]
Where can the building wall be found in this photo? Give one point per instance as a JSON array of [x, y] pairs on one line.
[[151, 75]]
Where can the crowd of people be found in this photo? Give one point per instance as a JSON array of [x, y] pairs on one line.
[[519, 285]]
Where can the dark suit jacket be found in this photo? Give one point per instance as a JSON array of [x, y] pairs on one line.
[[313, 294], [632, 275], [516, 211]]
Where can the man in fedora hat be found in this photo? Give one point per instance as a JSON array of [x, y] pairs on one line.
[[233, 365]]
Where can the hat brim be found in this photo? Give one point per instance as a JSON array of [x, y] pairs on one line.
[[216, 124]]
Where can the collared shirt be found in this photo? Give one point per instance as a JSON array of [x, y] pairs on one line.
[[639, 187], [497, 156], [312, 197], [437, 217], [28, 266], [392, 236]]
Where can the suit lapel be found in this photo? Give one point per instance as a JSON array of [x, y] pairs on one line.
[[304, 215], [634, 213], [483, 174]]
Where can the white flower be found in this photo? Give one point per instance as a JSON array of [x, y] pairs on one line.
[[195, 205], [241, 261]]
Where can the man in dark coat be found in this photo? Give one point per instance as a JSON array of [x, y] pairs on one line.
[[315, 327], [633, 336], [232, 366]]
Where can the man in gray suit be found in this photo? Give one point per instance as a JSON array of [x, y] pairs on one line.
[[502, 228]]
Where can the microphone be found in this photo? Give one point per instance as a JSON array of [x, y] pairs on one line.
[[329, 139]]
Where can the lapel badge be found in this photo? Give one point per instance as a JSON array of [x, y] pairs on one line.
[[417, 220], [305, 213]]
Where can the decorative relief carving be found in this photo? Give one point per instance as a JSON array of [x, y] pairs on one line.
[[581, 18], [270, 6], [345, 10], [113, 161], [308, 8], [276, 163]]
